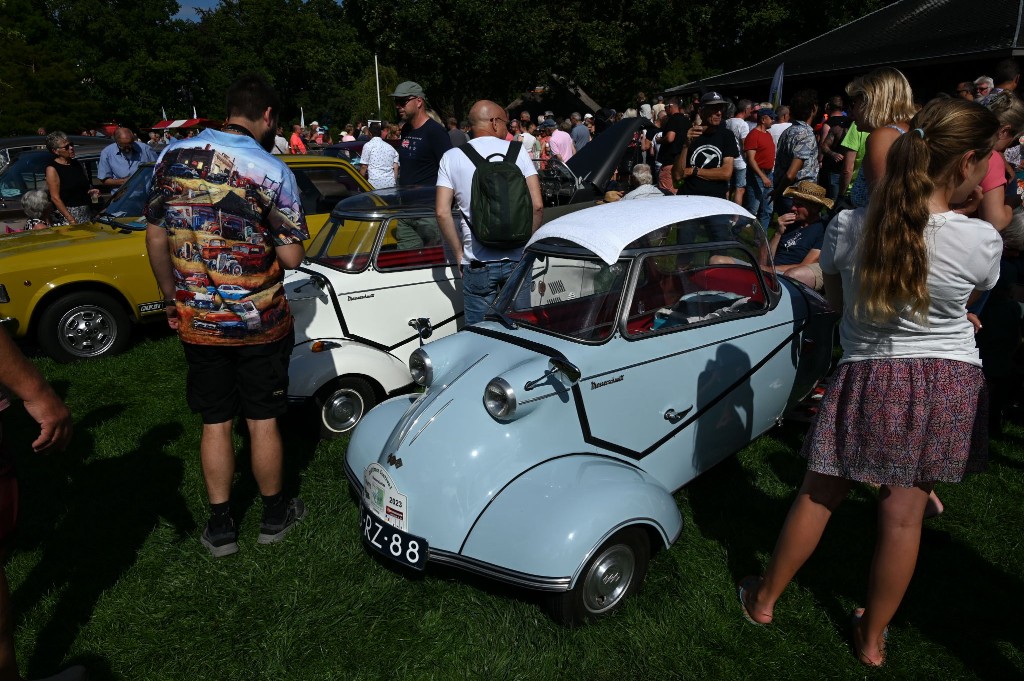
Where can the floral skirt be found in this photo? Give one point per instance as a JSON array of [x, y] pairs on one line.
[[901, 422], [79, 213]]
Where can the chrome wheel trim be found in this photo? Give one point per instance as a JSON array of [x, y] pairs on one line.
[[342, 410], [608, 579], [86, 331]]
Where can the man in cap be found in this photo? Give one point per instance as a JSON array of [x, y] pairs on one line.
[[705, 166], [759, 148], [423, 140]]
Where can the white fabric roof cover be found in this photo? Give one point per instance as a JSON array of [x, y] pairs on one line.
[[607, 229]]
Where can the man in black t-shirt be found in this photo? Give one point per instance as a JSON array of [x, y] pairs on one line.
[[424, 140], [673, 142], [705, 166]]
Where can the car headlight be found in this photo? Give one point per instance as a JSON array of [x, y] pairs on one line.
[[500, 399], [421, 368]]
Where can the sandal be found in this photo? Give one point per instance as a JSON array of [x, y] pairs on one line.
[[747, 587], [858, 648]]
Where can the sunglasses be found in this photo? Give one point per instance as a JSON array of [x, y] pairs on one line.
[[500, 120], [402, 101], [67, 146]]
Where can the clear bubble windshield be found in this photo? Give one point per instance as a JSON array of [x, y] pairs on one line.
[[569, 296]]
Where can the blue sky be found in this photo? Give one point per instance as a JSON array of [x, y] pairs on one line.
[[188, 8]]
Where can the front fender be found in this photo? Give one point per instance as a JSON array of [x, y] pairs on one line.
[[548, 521], [309, 371], [371, 435]]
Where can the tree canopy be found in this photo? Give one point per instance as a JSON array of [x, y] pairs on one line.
[[73, 64]]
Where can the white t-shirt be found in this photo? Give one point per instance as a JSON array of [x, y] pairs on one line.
[[456, 173], [963, 255], [739, 128], [380, 158], [776, 131]]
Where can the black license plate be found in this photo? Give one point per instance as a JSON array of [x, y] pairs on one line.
[[391, 542]]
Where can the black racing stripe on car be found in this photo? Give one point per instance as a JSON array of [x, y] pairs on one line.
[[521, 474], [539, 348], [589, 438], [334, 296]]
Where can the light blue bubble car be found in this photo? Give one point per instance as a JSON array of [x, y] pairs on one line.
[[638, 344]]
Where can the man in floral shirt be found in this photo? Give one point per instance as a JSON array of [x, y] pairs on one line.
[[225, 221], [796, 157]]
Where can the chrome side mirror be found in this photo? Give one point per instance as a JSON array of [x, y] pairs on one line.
[[571, 372], [423, 328]]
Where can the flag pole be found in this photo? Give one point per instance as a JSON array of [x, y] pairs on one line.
[[376, 71]]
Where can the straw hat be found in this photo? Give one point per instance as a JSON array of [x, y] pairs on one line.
[[809, 191]]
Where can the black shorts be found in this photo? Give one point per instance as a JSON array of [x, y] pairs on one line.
[[226, 379], [8, 497]]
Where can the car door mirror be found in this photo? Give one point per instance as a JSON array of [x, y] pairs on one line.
[[571, 372]]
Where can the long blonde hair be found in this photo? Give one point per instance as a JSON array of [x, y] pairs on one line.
[[893, 267], [887, 97]]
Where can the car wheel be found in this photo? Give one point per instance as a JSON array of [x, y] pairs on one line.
[[84, 325], [614, 572], [236, 269], [342, 405]]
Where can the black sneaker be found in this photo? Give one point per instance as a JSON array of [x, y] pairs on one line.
[[271, 533], [221, 543]]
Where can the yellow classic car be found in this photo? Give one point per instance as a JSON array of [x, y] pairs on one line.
[[77, 290]]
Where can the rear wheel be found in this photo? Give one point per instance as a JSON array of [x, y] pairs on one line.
[[613, 574], [84, 325], [343, 404]]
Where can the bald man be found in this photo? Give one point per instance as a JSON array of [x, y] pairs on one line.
[[121, 159], [484, 270]]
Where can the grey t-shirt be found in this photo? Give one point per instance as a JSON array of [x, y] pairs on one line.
[[963, 256]]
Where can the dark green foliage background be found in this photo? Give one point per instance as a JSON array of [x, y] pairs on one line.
[[73, 64]]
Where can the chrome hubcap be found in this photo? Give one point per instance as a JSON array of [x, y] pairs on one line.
[[342, 410], [608, 579], [86, 331]]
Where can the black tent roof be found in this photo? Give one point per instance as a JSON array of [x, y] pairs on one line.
[[906, 33]]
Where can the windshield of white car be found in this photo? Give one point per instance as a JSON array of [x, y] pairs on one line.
[[572, 296], [344, 243]]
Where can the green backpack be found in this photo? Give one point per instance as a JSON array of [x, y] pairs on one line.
[[500, 201]]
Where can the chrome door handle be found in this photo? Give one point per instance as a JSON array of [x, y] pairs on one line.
[[673, 416]]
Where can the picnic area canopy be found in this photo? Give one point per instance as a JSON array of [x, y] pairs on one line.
[[188, 123], [906, 34]]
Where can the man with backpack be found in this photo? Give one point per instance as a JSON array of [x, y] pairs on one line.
[[494, 186]]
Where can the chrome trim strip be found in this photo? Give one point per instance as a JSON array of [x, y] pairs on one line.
[[420, 406], [536, 582], [420, 431]]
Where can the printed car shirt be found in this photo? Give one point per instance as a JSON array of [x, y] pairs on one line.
[[798, 141], [226, 204]]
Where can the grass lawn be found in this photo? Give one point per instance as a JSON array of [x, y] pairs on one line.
[[108, 569]]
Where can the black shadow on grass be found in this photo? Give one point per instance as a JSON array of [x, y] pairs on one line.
[[300, 435], [963, 602], [729, 508], [89, 517]]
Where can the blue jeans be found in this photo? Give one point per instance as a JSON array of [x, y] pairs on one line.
[[758, 199], [480, 287]]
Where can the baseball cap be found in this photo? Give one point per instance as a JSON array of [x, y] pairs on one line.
[[711, 98], [588, 115], [314, 123], [549, 114], [548, 123], [409, 89], [770, 113]]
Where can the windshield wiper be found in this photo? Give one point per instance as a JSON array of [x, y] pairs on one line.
[[502, 317], [108, 220]]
